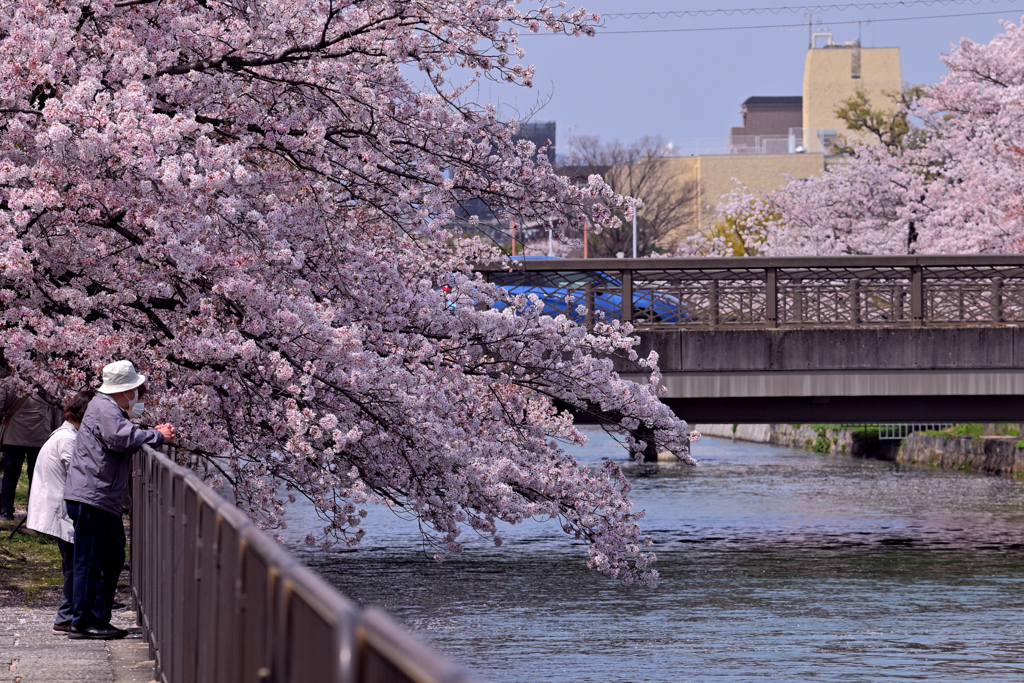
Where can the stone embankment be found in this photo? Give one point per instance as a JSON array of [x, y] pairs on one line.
[[991, 454], [831, 439], [1001, 455]]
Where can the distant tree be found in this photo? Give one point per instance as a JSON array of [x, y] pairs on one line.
[[890, 127], [645, 170]]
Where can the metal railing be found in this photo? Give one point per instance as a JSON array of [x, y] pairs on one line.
[[219, 601], [767, 144], [893, 432], [840, 291]]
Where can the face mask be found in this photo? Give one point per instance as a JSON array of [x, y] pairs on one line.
[[135, 407]]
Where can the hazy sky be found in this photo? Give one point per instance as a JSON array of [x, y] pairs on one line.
[[689, 85]]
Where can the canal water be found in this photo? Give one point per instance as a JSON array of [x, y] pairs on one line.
[[775, 564]]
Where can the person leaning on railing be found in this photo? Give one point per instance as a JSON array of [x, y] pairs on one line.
[[46, 511], [94, 491]]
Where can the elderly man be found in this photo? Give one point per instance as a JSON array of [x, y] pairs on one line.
[[97, 477]]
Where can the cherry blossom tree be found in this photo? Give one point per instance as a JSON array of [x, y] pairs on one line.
[[250, 200], [955, 185]]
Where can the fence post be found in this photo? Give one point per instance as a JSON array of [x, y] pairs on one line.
[[854, 301], [588, 300], [917, 295], [627, 296], [997, 299], [713, 303], [771, 303]]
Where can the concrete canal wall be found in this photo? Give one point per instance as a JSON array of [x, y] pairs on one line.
[[991, 454], [1001, 455], [817, 438]]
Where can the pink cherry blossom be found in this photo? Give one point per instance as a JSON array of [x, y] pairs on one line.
[[255, 202]]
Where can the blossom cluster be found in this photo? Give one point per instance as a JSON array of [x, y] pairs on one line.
[[251, 201]]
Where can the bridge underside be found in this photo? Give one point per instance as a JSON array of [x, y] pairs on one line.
[[841, 375], [846, 409]]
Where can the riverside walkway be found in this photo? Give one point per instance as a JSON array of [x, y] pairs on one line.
[[31, 653]]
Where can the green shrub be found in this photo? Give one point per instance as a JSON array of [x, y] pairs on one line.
[[822, 444]]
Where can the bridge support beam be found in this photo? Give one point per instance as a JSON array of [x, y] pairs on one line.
[[966, 374]]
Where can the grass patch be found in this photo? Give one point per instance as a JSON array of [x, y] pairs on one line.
[[973, 430], [29, 568], [29, 564]]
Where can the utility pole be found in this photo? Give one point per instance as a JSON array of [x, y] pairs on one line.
[[634, 233], [810, 30]]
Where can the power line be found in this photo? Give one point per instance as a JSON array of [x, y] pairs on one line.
[[894, 4], [800, 25]]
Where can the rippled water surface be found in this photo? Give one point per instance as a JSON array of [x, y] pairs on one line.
[[775, 564]]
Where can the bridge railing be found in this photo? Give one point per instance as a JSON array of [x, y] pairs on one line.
[[219, 601], [843, 291]]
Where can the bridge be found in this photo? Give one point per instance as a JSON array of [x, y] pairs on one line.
[[815, 339]]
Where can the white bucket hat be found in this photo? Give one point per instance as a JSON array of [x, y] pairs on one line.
[[120, 376]]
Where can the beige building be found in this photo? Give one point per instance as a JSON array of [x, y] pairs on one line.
[[835, 73], [716, 176]]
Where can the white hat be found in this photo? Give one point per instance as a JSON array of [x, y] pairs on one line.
[[120, 376]]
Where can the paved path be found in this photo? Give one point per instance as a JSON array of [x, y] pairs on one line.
[[31, 653]]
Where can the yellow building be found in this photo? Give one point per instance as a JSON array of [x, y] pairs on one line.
[[716, 176], [835, 73]]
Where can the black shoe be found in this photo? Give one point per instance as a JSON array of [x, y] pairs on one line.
[[6, 518], [121, 632], [107, 632], [118, 606]]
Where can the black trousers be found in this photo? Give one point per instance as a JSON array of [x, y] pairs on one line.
[[99, 558], [67, 567], [14, 458]]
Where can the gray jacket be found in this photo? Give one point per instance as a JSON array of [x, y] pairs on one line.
[[33, 423], [98, 473]]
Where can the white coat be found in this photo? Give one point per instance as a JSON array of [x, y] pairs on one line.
[[46, 511]]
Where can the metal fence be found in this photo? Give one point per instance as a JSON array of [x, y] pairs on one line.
[[843, 291], [893, 432], [221, 602], [764, 144]]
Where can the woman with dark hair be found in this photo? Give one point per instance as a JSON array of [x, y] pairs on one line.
[[46, 510]]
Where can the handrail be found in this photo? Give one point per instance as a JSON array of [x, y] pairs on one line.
[[219, 601], [831, 291], [748, 262]]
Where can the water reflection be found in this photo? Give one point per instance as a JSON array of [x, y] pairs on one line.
[[775, 564]]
